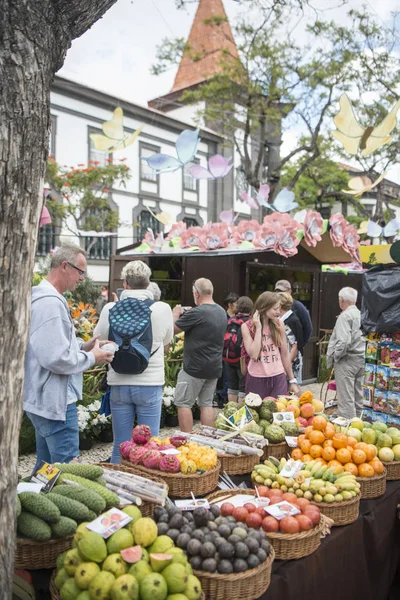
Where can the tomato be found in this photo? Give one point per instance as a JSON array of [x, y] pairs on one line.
[[250, 507], [289, 525], [226, 509], [254, 520], [305, 522], [289, 497], [275, 499], [275, 492], [261, 511], [240, 513], [302, 503], [312, 514], [270, 524], [263, 491]]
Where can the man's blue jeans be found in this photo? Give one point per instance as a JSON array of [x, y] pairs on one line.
[[128, 401], [56, 441]]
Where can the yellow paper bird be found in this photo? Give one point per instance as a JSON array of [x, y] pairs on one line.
[[359, 185], [356, 138], [114, 137], [163, 217]]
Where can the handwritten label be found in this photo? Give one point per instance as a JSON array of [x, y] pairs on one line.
[[283, 417], [291, 441], [109, 522], [282, 509], [291, 468], [190, 504], [341, 421]]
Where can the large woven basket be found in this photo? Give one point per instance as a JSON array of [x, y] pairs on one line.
[[238, 465], [341, 513], [393, 470], [290, 546], [248, 585], [33, 555], [372, 487], [278, 450], [179, 485], [147, 508]]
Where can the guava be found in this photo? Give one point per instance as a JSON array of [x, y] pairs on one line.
[[115, 564], [153, 587], [60, 578], [132, 554], [133, 511], [100, 586], [81, 530], [84, 574], [176, 577], [92, 547], [379, 426], [71, 561], [145, 532], [60, 560], [69, 590], [177, 597], [140, 569], [119, 540], [158, 562], [83, 596], [193, 588], [125, 587], [161, 544]]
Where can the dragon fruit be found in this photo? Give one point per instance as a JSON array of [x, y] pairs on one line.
[[169, 463], [178, 440], [151, 446], [141, 434], [166, 447], [152, 459], [136, 455], [125, 448]]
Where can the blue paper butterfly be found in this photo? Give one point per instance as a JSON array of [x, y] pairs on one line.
[[186, 148]]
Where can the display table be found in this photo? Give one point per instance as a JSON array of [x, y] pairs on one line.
[[355, 562]]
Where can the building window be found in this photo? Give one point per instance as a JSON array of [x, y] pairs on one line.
[[98, 248], [97, 156], [52, 138], [190, 184], [147, 221], [369, 209], [146, 172], [190, 221], [47, 240]]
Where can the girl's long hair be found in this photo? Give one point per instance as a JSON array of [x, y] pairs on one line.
[[263, 303]]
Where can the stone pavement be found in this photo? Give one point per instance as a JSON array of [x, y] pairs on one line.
[[100, 452]]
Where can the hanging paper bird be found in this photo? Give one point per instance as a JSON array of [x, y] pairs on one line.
[[114, 137], [163, 217], [218, 166], [186, 148], [390, 230], [284, 202], [359, 185], [356, 138]]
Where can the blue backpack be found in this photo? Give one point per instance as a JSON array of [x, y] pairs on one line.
[[130, 329]]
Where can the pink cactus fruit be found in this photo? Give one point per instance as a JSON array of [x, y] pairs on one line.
[[141, 434], [125, 448], [170, 464], [136, 455], [152, 459]]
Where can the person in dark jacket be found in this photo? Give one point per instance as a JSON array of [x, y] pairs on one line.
[[294, 334], [232, 349], [298, 308]]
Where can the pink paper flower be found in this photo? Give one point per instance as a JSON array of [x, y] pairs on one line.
[[176, 230], [278, 233], [338, 224], [351, 242], [218, 166], [148, 238], [246, 231], [313, 224], [213, 236], [190, 237]]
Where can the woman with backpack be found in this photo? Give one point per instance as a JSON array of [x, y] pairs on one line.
[[232, 348], [264, 342], [294, 334], [142, 329]]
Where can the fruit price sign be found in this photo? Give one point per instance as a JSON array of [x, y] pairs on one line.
[[283, 417], [109, 522], [291, 468], [291, 441], [282, 509], [241, 417]]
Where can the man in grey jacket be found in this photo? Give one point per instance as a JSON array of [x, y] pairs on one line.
[[346, 352], [55, 360]]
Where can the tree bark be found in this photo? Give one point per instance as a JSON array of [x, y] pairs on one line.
[[34, 39]]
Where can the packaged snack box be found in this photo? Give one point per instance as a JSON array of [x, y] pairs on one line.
[[393, 403], [396, 338], [385, 339], [368, 396], [372, 337], [395, 356], [394, 380], [380, 400], [371, 351], [369, 374], [384, 357], [382, 378]]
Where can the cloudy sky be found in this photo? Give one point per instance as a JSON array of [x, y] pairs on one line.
[[115, 56]]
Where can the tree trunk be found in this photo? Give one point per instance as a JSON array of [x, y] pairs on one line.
[[34, 38]]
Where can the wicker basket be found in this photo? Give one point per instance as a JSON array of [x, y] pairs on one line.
[[247, 586], [277, 450], [180, 486], [238, 465], [372, 487], [33, 555], [393, 470], [147, 508], [341, 513], [290, 546]]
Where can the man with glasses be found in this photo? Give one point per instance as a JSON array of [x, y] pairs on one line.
[[55, 360], [204, 327]]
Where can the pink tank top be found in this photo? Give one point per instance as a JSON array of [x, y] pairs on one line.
[[269, 362]]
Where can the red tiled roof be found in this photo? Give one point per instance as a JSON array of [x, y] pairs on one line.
[[206, 40]]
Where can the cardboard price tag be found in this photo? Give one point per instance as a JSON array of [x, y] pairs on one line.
[[291, 441], [46, 475], [291, 468], [241, 417], [341, 421], [283, 417], [282, 509], [109, 522]]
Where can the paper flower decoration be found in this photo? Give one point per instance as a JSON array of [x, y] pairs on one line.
[[190, 237], [354, 137], [218, 166], [176, 230], [246, 231], [351, 242], [186, 148], [213, 236], [284, 202], [228, 217], [359, 185], [337, 223], [114, 137], [278, 233], [313, 226]]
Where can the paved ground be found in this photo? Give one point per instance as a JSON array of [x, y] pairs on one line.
[[100, 452]]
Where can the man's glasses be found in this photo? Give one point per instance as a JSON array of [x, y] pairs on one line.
[[194, 286], [81, 273]]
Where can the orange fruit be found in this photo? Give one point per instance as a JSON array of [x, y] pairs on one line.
[[359, 457], [305, 446], [339, 441], [351, 468], [316, 450], [371, 452], [361, 446], [328, 453], [308, 430], [343, 455], [327, 443], [351, 441], [377, 466], [329, 431], [365, 470], [297, 454], [317, 437], [307, 458], [350, 449], [336, 465], [301, 439], [319, 423], [320, 460]]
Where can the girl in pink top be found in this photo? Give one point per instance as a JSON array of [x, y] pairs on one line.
[[264, 340]]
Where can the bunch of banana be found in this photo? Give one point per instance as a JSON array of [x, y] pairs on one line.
[[346, 487], [267, 472], [318, 471]]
